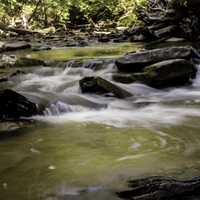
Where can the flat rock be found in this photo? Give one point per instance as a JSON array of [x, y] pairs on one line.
[[12, 46], [135, 62]]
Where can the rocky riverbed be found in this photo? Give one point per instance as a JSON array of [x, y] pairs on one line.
[[88, 125]]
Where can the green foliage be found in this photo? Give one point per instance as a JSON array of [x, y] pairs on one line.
[[45, 13]]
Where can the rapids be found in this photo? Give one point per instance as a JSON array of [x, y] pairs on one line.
[[86, 146]]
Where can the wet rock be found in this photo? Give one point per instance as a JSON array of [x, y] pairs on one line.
[[169, 73], [162, 188], [175, 39], [41, 48], [128, 78], [104, 39], [135, 62], [13, 46], [14, 106], [13, 61], [166, 31], [7, 75], [100, 85], [28, 62], [97, 64]]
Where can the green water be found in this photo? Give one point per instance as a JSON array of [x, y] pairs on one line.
[[49, 161], [34, 163], [103, 50]]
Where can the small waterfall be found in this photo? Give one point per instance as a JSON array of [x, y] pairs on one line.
[[58, 108], [196, 82]]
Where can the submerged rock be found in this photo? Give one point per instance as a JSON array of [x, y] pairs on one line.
[[135, 62], [14, 106], [169, 73], [100, 85]]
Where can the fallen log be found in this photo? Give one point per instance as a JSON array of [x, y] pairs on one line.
[[5, 28]]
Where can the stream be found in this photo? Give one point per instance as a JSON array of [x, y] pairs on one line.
[[87, 146]]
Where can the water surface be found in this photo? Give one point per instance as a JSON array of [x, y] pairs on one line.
[[87, 146]]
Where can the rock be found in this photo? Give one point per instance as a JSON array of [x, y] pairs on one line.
[[13, 61], [97, 64], [104, 39], [8, 74], [166, 31], [100, 85], [16, 46], [128, 78], [169, 73], [41, 48], [175, 39], [191, 4], [15, 106], [135, 62], [28, 62], [162, 188]]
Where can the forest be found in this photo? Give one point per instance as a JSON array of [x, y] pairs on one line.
[[99, 99]]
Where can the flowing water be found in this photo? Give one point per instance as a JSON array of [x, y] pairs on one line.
[[88, 146]]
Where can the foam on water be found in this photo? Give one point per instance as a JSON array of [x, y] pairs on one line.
[[120, 113], [147, 117]]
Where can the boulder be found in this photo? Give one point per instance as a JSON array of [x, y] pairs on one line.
[[14, 106], [169, 73], [100, 85], [135, 62]]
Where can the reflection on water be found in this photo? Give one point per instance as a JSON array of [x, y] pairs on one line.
[[87, 146], [102, 50]]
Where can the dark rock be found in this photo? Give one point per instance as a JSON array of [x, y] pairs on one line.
[[16, 46], [41, 48], [100, 85], [104, 39], [169, 73], [13, 61], [135, 62], [129, 78], [28, 62], [162, 188], [15, 106], [139, 33], [166, 31]]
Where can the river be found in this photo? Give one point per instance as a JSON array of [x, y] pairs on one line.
[[87, 146]]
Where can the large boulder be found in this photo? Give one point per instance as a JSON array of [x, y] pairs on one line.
[[100, 85], [135, 62], [14, 106], [169, 73]]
